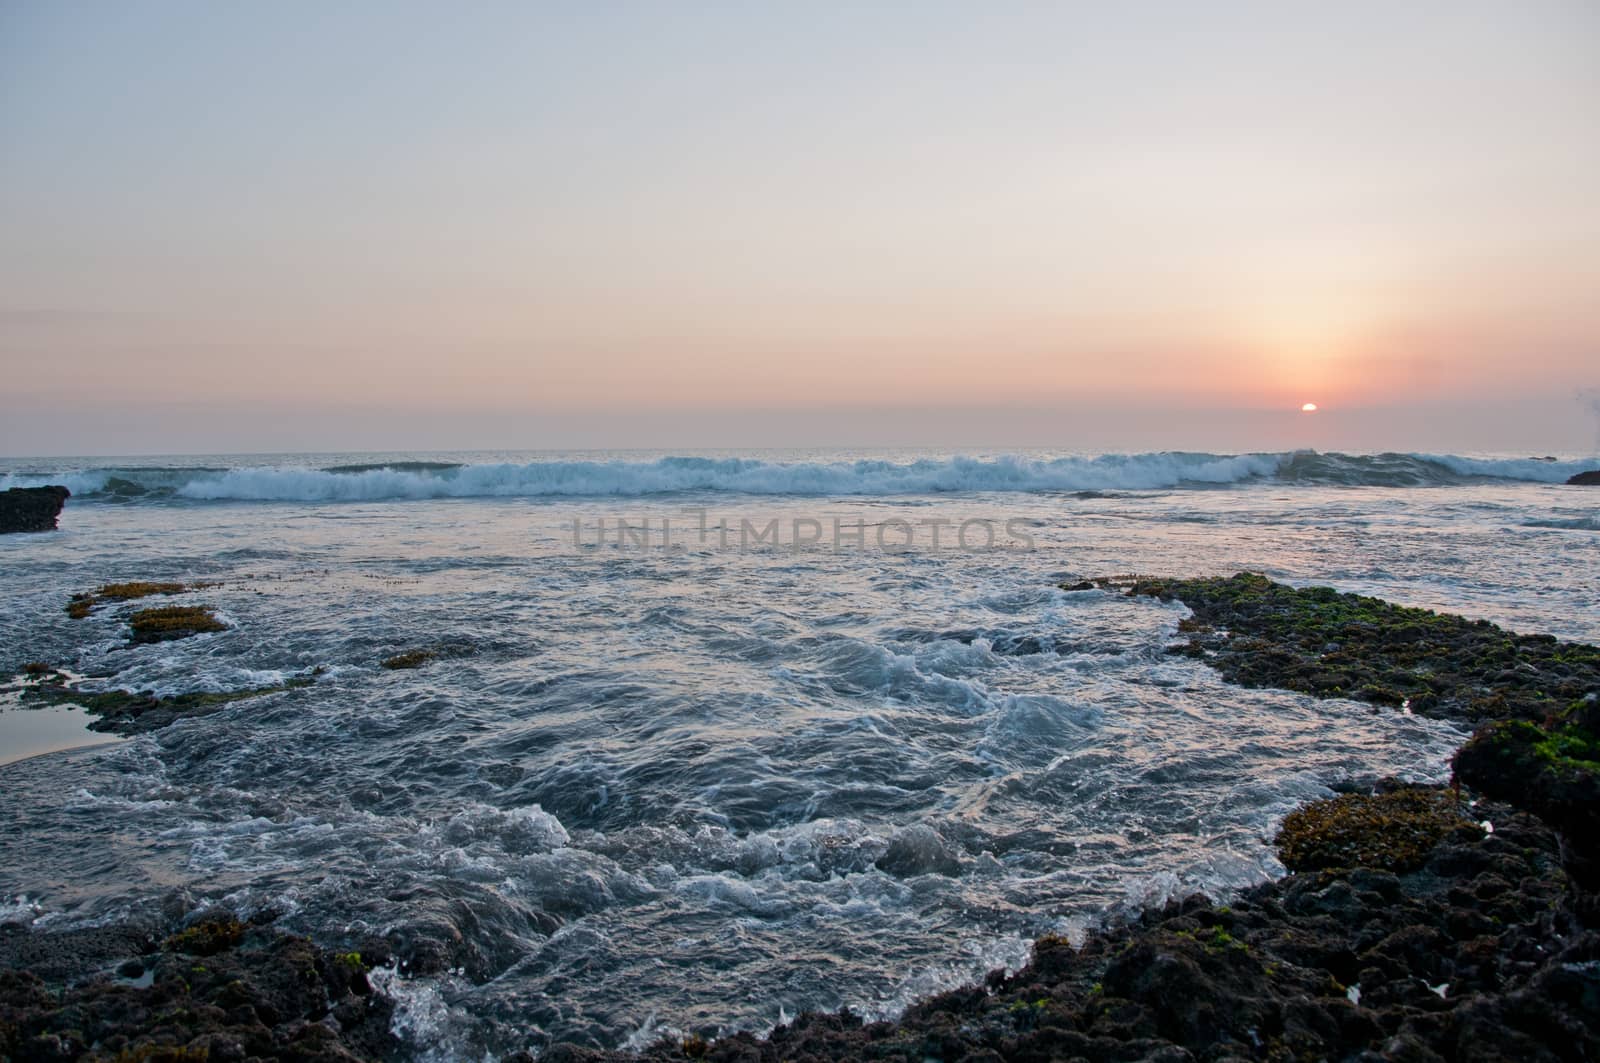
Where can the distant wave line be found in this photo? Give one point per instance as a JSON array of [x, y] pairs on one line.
[[1164, 470]]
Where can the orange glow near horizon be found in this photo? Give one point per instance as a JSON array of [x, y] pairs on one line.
[[800, 216]]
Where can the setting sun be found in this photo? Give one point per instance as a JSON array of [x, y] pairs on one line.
[[626, 320]]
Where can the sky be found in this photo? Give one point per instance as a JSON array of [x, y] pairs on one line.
[[390, 225]]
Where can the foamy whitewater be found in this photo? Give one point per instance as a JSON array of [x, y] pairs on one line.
[[717, 738], [330, 478]]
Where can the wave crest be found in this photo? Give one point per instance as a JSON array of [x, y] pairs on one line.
[[751, 476]]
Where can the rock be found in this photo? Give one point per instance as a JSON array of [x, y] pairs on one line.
[[408, 659], [1317, 641], [1391, 832], [248, 993], [166, 622], [1553, 773], [1585, 479], [31, 509]]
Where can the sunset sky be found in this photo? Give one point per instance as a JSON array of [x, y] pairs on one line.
[[373, 225]]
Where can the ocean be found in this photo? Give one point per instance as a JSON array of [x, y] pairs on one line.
[[710, 739]]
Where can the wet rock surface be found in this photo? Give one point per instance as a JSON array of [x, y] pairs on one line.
[[215, 990], [31, 509], [163, 623], [1585, 479], [1315, 640], [1393, 831]]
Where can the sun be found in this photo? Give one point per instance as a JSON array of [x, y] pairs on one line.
[[1309, 407]]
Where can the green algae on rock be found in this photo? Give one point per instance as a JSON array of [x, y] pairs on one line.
[[1553, 772], [1258, 633], [1391, 831], [166, 622], [82, 604], [207, 937], [409, 659], [124, 592]]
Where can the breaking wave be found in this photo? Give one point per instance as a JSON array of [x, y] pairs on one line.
[[750, 476]]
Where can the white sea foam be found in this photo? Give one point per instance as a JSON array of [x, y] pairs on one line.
[[741, 476], [519, 830], [422, 1016], [978, 956], [751, 476], [19, 909]]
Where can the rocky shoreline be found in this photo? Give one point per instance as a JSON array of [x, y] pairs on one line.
[[215, 989], [1416, 924]]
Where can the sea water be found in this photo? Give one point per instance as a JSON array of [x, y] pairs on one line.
[[712, 739]]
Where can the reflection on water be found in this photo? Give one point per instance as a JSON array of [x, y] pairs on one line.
[[32, 732]]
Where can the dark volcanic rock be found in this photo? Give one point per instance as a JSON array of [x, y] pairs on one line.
[[31, 509], [1553, 773], [249, 993], [119, 488], [1585, 479], [1315, 640]]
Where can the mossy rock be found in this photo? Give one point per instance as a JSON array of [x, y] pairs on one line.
[[1317, 641], [409, 659], [207, 937], [80, 605], [1553, 772], [217, 990], [1534, 698], [125, 592], [166, 622], [352, 961], [1391, 832]]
